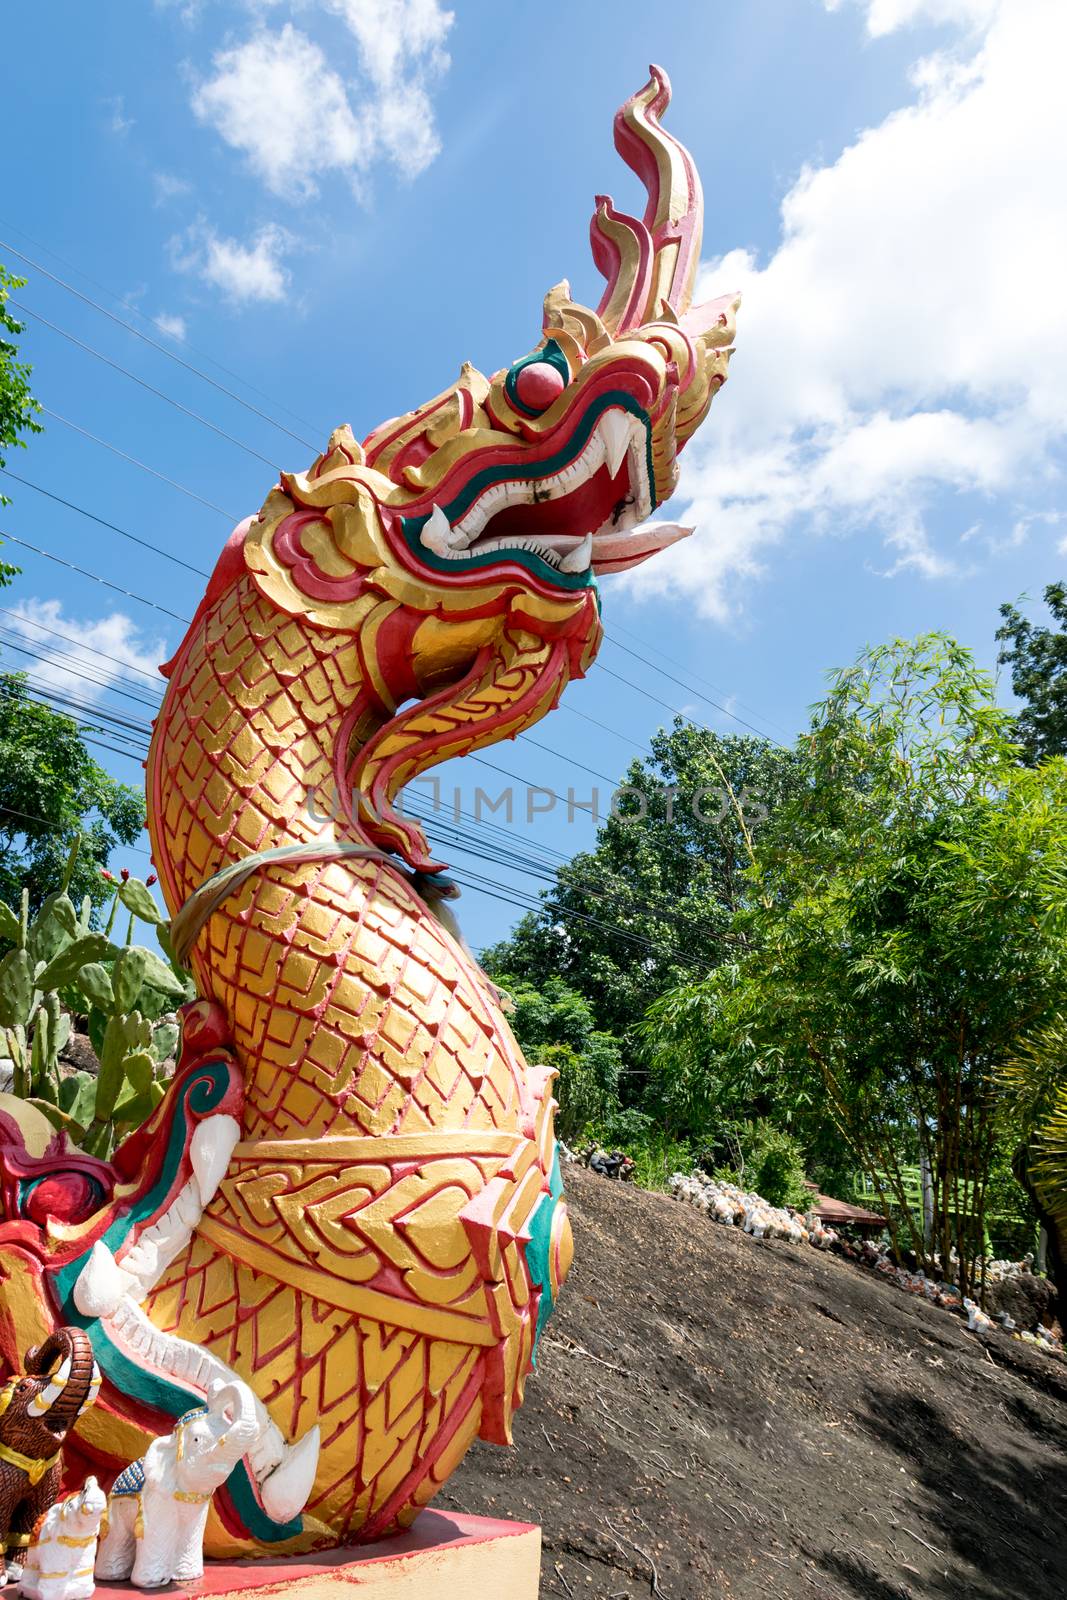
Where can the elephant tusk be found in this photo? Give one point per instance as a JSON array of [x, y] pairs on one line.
[[46, 1398], [285, 1492]]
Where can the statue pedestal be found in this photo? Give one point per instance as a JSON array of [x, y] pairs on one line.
[[439, 1558]]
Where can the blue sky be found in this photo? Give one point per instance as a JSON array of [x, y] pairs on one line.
[[338, 201]]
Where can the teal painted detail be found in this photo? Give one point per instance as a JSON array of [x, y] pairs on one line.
[[412, 526], [538, 1250], [201, 1094], [551, 353]]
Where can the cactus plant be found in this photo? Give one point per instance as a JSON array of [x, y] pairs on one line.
[[59, 965]]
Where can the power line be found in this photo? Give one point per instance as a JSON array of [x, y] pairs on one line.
[[102, 522], [137, 735], [135, 311], [750, 726], [118, 367], [115, 451], [155, 344], [95, 576], [59, 827], [32, 622], [11, 643], [617, 627]]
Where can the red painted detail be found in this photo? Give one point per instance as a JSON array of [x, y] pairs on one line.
[[539, 383], [69, 1196], [608, 259], [431, 1530], [411, 456], [289, 548], [228, 568]]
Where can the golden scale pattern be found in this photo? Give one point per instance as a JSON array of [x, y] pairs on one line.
[[360, 1021]]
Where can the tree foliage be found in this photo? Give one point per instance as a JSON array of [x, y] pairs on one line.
[[18, 408], [654, 901], [1037, 656], [866, 984], [51, 792], [555, 1027]]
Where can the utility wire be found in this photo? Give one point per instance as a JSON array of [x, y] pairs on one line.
[[137, 734], [102, 522], [135, 311], [32, 622], [155, 344], [115, 451], [118, 367], [617, 627], [12, 642], [95, 576]]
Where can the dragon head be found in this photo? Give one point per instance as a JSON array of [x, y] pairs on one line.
[[461, 541]]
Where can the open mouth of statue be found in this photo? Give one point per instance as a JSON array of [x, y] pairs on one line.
[[558, 509]]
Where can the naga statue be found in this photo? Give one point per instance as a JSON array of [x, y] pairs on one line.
[[350, 1198]]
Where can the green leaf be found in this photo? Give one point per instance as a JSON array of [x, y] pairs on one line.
[[68, 1089], [16, 988], [113, 1053], [65, 967], [64, 1121], [97, 1028], [128, 975], [95, 985], [60, 907], [136, 897], [10, 927], [164, 1040], [134, 1108], [139, 1069], [158, 975]]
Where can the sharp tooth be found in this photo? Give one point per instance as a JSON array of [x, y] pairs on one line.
[[102, 1284], [437, 532], [210, 1150], [580, 556], [615, 432]]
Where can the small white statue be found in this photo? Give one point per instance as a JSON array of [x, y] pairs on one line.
[[59, 1563], [158, 1506]]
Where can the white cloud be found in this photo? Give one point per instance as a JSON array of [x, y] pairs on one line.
[[243, 272], [174, 327], [276, 99], [83, 657], [886, 16], [296, 115], [118, 121], [170, 187], [907, 337]]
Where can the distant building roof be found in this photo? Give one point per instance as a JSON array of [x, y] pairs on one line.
[[839, 1212]]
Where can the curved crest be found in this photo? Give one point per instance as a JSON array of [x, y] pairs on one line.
[[652, 261]]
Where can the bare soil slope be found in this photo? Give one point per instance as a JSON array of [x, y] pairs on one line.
[[715, 1416]]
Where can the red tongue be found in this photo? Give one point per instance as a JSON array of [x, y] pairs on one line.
[[561, 517]]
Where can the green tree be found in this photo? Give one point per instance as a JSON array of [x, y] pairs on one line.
[[1017, 859], [51, 790], [555, 1027], [654, 901], [866, 984], [18, 408], [1037, 657]]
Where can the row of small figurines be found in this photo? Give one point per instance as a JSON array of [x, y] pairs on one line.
[[150, 1528]]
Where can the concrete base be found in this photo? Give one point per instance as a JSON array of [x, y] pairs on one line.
[[439, 1558]]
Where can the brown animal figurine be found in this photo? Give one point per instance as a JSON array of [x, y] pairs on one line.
[[36, 1410]]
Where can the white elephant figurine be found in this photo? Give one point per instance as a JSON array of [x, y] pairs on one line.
[[59, 1563], [158, 1506]]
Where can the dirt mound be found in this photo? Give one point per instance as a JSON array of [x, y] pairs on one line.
[[716, 1416]]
